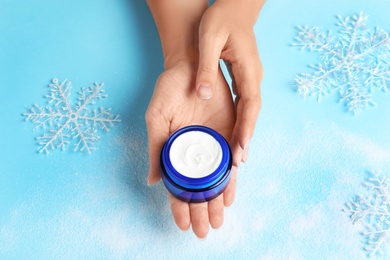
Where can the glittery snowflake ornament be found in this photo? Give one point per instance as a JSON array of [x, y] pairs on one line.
[[63, 123], [372, 210], [354, 64]]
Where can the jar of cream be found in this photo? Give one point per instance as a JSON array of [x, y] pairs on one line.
[[196, 163]]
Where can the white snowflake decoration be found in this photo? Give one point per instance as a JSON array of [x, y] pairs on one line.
[[373, 212], [354, 63], [64, 122]]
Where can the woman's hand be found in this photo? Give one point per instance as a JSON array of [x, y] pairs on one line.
[[226, 32], [175, 104]]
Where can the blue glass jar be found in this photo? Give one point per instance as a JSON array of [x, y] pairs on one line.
[[195, 188]]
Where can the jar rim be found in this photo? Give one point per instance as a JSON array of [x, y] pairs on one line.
[[196, 184]]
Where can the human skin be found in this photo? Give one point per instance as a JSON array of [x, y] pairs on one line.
[[192, 89]]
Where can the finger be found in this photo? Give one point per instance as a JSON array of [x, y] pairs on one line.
[[209, 54], [248, 103], [230, 192], [247, 112], [158, 132], [200, 219], [245, 154], [180, 212], [216, 212]]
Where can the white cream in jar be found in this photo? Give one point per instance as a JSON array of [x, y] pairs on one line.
[[195, 154]]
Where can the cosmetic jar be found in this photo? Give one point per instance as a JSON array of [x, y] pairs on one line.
[[196, 163]]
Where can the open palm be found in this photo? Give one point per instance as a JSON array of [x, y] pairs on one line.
[[175, 104]]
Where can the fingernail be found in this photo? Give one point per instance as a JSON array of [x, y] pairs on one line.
[[202, 239], [204, 91], [245, 156], [148, 182], [239, 158]]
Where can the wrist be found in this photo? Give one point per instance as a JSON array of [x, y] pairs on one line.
[[183, 50], [170, 62], [177, 23], [181, 43]]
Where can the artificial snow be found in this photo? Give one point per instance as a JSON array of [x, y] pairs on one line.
[[372, 211], [354, 63], [65, 123]]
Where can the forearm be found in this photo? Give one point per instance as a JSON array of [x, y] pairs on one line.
[[177, 23], [247, 10]]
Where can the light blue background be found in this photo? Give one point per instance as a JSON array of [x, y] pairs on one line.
[[306, 159]]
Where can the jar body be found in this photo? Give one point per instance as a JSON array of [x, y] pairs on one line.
[[196, 189]]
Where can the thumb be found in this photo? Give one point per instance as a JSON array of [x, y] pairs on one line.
[[209, 54], [158, 132]]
